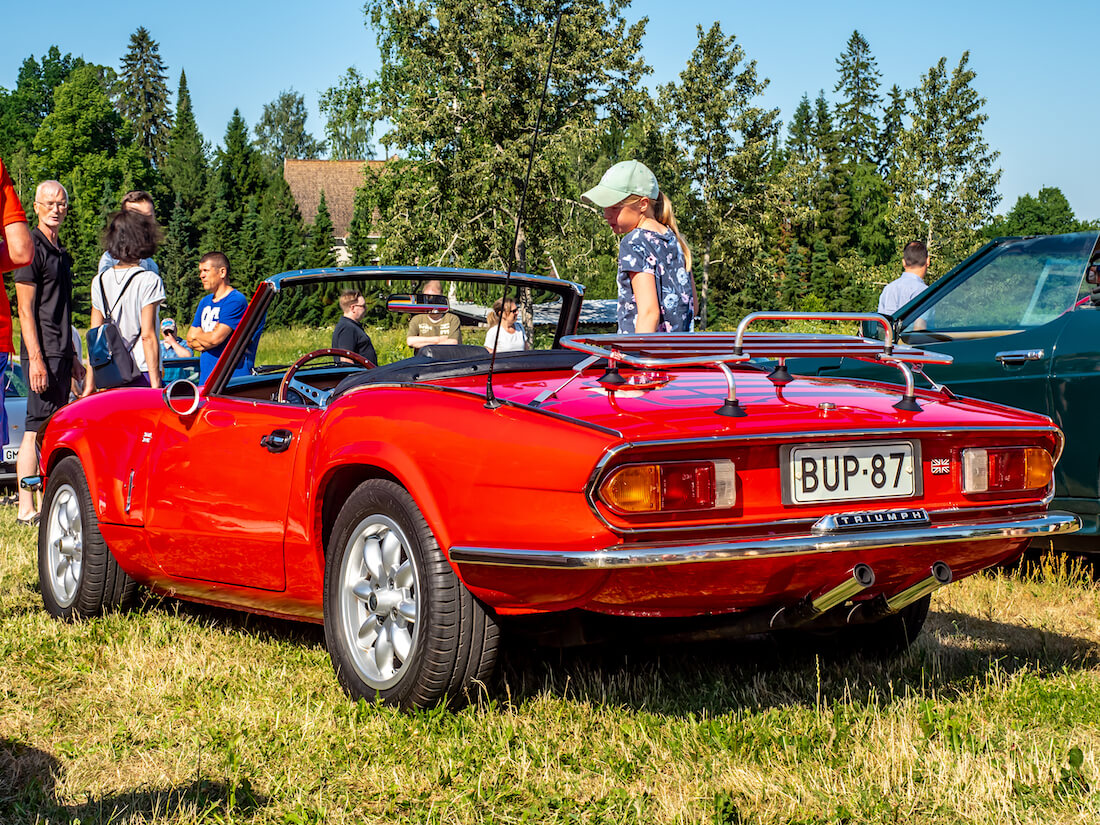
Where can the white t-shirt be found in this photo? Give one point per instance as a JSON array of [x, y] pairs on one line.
[[146, 288], [509, 341]]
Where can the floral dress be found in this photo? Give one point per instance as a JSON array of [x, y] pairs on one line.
[[643, 250]]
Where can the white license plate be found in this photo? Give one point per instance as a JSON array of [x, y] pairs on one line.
[[851, 472], [11, 452]]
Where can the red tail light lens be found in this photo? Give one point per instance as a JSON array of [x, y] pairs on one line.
[[672, 487], [1006, 469]]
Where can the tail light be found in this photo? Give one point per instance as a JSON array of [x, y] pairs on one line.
[[1006, 469], [671, 487]]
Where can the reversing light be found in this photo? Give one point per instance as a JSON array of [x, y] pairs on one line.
[[673, 487], [1006, 469]]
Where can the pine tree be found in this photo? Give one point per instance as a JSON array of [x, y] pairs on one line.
[[143, 95], [857, 122], [893, 121], [946, 182], [725, 148], [362, 245], [178, 258], [185, 166], [800, 130], [248, 249], [319, 252], [238, 166]]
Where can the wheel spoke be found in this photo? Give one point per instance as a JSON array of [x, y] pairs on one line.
[[383, 651], [391, 551], [368, 633], [403, 578], [372, 557], [407, 610], [402, 642]]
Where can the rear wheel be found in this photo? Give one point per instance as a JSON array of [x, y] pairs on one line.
[[399, 625], [77, 574]]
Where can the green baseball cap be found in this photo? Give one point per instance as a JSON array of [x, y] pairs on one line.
[[626, 178]]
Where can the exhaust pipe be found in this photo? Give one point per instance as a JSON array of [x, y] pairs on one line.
[[939, 575], [860, 578]]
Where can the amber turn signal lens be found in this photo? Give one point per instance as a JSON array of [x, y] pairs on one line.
[[1006, 469], [676, 486]]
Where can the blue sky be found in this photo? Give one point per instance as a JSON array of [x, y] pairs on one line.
[[1036, 64]]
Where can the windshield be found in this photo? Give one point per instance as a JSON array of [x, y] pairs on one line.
[[1021, 284], [313, 316]]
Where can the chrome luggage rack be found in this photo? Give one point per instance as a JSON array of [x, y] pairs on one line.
[[705, 349]]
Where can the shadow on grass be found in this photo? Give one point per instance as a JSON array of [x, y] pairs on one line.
[[955, 652], [29, 779]]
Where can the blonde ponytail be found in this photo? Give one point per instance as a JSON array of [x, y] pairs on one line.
[[663, 212]]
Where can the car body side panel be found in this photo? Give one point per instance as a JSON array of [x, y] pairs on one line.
[[217, 498], [490, 476]]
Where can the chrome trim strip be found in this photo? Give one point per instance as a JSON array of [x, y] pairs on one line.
[[637, 556], [765, 438]]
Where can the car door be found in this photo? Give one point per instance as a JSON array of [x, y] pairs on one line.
[[1074, 392], [220, 486]]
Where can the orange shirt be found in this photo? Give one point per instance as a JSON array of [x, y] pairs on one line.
[[11, 211]]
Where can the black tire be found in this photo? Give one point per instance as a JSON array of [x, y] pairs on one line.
[[399, 625], [77, 574]]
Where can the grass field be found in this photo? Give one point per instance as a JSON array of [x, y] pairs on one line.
[[176, 713], [182, 714]]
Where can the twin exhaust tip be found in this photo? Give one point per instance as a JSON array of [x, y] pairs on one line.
[[860, 578]]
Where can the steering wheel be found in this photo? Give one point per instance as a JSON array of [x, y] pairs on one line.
[[319, 397]]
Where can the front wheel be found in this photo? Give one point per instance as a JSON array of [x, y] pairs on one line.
[[399, 625], [77, 574]]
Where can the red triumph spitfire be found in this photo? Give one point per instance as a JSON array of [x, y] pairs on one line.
[[661, 483]]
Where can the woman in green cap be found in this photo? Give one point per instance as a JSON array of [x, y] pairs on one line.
[[656, 290]]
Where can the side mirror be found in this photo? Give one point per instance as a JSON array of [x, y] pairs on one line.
[[417, 304], [182, 397]]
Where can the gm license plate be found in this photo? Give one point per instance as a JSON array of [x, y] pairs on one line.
[[11, 452], [851, 472]]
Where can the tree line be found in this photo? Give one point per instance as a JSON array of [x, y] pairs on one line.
[[808, 214]]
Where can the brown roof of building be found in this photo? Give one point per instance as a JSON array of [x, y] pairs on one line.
[[338, 178]]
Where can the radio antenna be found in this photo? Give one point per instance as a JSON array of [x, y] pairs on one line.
[[491, 401]]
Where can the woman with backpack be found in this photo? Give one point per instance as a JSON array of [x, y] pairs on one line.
[[130, 296]]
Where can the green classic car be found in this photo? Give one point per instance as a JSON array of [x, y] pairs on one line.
[[1021, 319]]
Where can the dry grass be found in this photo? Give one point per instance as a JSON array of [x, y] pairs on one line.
[[182, 714]]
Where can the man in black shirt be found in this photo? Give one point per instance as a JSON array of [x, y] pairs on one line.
[[44, 292], [349, 333]]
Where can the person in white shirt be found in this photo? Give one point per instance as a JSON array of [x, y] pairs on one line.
[[505, 314], [910, 283]]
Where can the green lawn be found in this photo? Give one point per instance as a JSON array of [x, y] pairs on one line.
[[176, 713]]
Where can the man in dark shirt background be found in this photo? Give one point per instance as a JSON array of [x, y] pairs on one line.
[[44, 293], [349, 333]]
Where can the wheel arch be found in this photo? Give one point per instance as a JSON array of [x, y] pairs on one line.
[[337, 486]]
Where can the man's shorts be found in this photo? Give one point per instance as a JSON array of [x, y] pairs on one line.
[[40, 406]]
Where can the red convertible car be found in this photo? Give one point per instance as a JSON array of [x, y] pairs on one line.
[[660, 483]]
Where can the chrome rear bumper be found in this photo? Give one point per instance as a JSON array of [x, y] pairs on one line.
[[1026, 527]]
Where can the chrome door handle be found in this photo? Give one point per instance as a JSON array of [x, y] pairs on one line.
[[277, 441], [1019, 356]]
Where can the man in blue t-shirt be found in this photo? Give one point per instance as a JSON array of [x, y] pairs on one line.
[[217, 316]]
